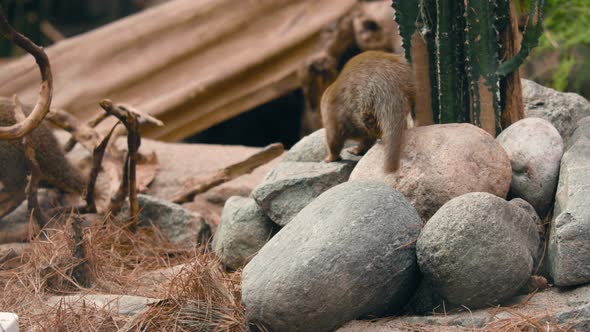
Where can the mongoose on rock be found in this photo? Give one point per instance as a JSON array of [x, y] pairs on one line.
[[55, 168], [370, 99]]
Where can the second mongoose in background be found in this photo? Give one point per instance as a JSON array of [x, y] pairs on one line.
[[56, 170], [370, 99]]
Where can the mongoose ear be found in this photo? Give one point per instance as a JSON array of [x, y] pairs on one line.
[[41, 108]]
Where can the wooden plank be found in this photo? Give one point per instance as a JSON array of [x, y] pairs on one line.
[[191, 63]]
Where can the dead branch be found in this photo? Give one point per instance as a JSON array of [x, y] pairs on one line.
[[33, 165], [97, 157], [131, 119], [22, 128], [231, 172]]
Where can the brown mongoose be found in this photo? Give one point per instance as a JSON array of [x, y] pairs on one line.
[[56, 170], [370, 99]]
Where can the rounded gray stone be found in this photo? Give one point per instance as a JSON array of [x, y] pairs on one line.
[[347, 254], [243, 230], [535, 148], [478, 249]]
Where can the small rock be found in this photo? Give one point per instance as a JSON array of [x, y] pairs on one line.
[[127, 305], [478, 249], [535, 148], [347, 254], [180, 225], [440, 162], [244, 229], [312, 148], [563, 110], [569, 240], [8, 322], [290, 186]]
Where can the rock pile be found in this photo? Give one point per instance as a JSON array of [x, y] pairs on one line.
[[358, 243]]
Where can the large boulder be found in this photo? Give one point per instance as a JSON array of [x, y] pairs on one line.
[[563, 110], [440, 162], [478, 249], [535, 148], [569, 240], [290, 186], [244, 229], [348, 254]]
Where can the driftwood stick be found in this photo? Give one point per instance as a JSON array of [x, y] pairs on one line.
[[22, 128], [131, 119], [231, 172]]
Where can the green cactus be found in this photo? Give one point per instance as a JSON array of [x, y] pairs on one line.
[[464, 51]]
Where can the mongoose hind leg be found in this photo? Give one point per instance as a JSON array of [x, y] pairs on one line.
[[362, 148], [335, 143]]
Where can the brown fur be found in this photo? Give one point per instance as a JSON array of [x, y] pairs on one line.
[[370, 99], [55, 168]]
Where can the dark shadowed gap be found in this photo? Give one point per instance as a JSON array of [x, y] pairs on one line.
[[276, 121]]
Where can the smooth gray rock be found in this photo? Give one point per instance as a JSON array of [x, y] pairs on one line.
[[478, 249], [440, 162], [290, 186], [569, 239], [563, 110], [312, 148], [181, 226], [567, 308], [348, 254], [244, 229], [535, 148]]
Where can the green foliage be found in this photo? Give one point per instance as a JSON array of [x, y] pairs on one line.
[[567, 31], [567, 23]]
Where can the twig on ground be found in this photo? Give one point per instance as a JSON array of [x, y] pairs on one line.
[[231, 172]]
